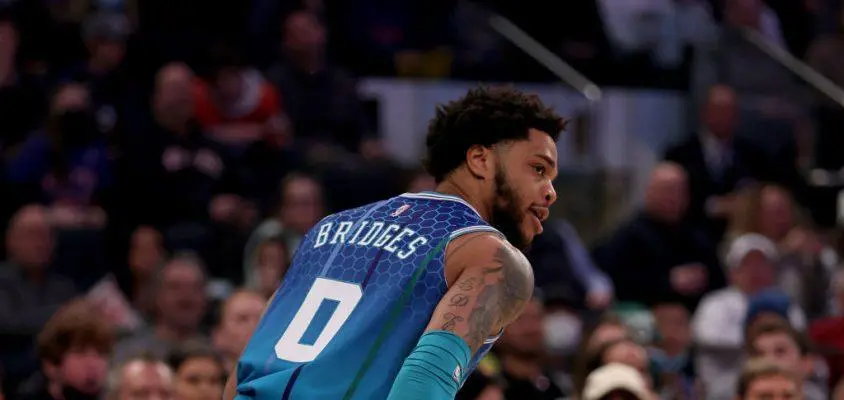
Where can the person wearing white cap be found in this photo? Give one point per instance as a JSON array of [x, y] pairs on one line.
[[616, 382], [718, 323]]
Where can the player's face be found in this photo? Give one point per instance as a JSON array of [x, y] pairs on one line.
[[524, 189]]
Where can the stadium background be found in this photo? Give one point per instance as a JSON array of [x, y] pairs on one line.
[[158, 157]]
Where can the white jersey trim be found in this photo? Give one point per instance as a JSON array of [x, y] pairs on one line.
[[439, 196]]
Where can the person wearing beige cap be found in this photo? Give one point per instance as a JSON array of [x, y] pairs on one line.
[[616, 382], [717, 326]]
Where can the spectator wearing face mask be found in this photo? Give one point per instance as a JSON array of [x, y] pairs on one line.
[[73, 347], [67, 165]]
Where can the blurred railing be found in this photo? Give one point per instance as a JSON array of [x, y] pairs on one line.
[[797, 67], [545, 57], [825, 181]]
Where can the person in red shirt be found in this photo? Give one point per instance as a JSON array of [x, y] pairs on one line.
[[828, 334], [234, 103]]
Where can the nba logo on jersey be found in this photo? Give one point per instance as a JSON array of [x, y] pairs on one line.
[[400, 210], [457, 375]]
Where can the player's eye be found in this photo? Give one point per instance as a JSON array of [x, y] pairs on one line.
[[539, 169]]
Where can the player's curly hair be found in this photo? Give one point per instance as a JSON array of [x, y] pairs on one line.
[[484, 116]]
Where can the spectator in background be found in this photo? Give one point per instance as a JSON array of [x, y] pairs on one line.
[[623, 351], [199, 373], [22, 101], [180, 306], [105, 36], [616, 381], [141, 377], [828, 333], [804, 263], [194, 168], [301, 205], [761, 379], [564, 269], [672, 352], [714, 161], [522, 353], [481, 387], [67, 166], [655, 257], [146, 256], [234, 102], [716, 329], [270, 265], [781, 344], [771, 305], [826, 56], [29, 292], [321, 99], [765, 87], [73, 348], [239, 316]]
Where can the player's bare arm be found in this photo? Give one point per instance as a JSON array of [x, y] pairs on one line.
[[490, 282], [494, 282]]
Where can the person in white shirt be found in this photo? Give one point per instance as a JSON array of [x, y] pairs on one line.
[[718, 323]]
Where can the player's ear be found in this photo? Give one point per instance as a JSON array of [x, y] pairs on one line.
[[479, 162]]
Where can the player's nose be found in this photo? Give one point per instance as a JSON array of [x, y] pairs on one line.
[[550, 195]]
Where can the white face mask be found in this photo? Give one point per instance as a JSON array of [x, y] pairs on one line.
[[562, 332]]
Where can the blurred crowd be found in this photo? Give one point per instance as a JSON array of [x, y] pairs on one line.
[[160, 162]]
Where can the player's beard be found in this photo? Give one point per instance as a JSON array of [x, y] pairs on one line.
[[506, 216]]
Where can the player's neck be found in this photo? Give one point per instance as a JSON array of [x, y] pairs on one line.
[[453, 188]]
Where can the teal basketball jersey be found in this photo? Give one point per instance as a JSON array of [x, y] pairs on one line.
[[360, 292]]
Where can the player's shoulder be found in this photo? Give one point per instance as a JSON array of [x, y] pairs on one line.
[[487, 249]]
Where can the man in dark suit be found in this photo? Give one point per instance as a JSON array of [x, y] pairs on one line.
[[715, 161]]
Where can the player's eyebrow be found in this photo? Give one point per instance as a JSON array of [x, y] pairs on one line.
[[547, 159]]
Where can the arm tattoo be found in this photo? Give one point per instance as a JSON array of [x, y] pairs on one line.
[[504, 286], [451, 321]]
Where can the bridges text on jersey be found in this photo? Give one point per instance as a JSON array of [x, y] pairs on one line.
[[402, 242]]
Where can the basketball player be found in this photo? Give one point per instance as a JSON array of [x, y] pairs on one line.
[[401, 298]]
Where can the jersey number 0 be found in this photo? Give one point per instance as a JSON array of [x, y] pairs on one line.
[[346, 295]]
